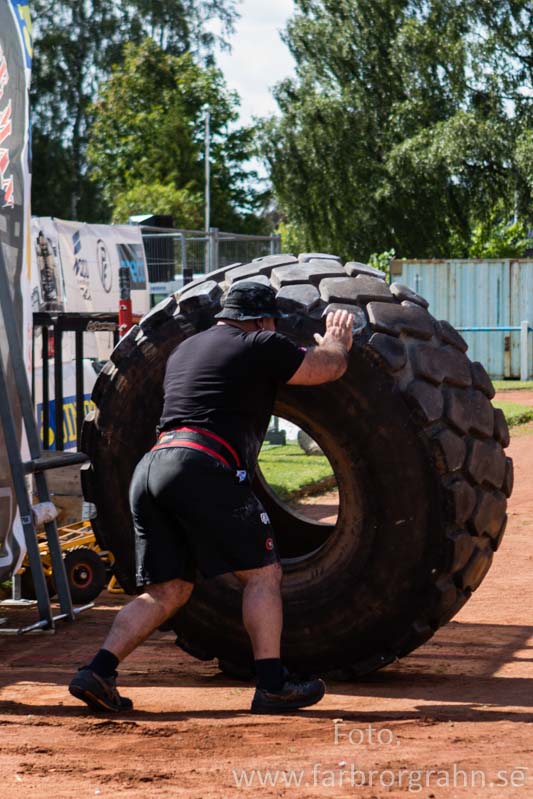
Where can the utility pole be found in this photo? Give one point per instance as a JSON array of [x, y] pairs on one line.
[[207, 165]]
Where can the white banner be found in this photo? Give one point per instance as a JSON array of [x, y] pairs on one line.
[[48, 286], [76, 269]]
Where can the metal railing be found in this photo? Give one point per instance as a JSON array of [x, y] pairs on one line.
[[524, 329], [59, 323]]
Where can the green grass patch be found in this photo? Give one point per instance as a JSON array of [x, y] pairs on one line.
[[514, 412], [289, 471], [512, 385]]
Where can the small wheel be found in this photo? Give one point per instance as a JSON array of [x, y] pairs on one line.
[[86, 574], [27, 586]]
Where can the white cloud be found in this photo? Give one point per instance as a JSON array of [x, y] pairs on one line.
[[258, 58]]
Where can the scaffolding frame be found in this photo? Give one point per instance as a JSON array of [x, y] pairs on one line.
[[35, 466]]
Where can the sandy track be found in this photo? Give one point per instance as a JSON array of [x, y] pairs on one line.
[[520, 396], [460, 704]]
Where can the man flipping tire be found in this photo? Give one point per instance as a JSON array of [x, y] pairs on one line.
[[191, 499]]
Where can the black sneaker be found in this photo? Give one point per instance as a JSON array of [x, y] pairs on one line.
[[293, 695], [100, 693]]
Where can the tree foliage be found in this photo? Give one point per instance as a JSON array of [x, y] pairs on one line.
[[77, 42], [186, 207], [147, 140], [495, 239], [408, 123]]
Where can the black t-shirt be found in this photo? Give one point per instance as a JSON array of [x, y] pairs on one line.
[[224, 380]]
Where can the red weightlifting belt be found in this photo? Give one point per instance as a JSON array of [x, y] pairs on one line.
[[202, 440]]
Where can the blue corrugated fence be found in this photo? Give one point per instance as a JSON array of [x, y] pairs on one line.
[[489, 301]]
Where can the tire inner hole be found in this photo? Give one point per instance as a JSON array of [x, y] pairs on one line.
[[296, 482]]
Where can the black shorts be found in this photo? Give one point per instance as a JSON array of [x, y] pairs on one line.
[[191, 512]]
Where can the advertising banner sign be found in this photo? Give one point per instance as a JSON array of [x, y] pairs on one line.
[[48, 287], [15, 70], [91, 256], [70, 439], [76, 267]]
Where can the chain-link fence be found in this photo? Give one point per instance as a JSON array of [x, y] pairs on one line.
[[176, 256]]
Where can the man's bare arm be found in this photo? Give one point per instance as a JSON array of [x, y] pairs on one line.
[[329, 359]]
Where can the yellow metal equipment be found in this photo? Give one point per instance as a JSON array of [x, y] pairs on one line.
[[88, 567]]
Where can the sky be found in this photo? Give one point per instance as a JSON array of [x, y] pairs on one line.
[[258, 58]]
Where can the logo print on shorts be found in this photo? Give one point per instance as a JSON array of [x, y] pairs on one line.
[[269, 544], [265, 518]]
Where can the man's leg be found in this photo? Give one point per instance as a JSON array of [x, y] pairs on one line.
[[262, 614], [95, 684], [137, 620], [262, 610]]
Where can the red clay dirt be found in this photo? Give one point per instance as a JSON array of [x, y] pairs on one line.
[[520, 396], [454, 719]]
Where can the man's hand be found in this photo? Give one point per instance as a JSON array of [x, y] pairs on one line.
[[329, 359], [339, 326]]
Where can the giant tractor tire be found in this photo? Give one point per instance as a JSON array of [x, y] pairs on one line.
[[415, 444]]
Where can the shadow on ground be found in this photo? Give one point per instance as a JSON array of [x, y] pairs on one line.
[[458, 670]]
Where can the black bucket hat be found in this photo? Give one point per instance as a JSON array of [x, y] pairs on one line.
[[248, 300]]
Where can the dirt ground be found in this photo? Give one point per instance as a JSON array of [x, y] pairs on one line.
[[519, 396], [454, 719]]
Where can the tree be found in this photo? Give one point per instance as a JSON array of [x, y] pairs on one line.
[[406, 125], [186, 207], [494, 239], [76, 45], [148, 132]]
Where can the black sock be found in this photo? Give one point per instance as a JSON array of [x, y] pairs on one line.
[[104, 663], [270, 674]]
